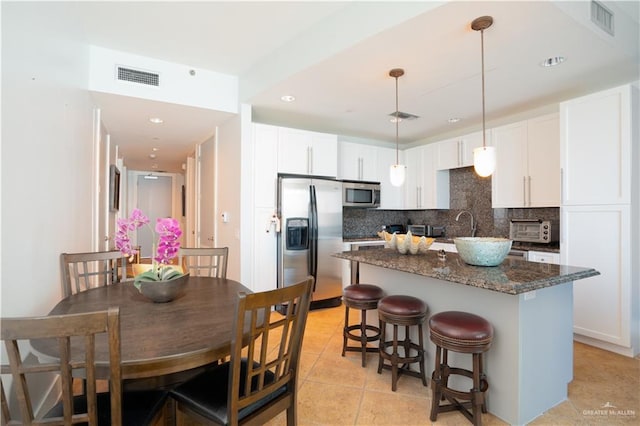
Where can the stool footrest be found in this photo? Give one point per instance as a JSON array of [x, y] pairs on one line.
[[369, 337]]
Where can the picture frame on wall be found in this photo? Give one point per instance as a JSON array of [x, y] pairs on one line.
[[114, 188]]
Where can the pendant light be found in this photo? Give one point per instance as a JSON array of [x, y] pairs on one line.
[[397, 171], [484, 158]]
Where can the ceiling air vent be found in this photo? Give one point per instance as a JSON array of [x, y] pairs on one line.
[[602, 17], [404, 115], [137, 76]]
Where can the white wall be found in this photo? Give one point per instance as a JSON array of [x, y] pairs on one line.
[[47, 152], [228, 189]]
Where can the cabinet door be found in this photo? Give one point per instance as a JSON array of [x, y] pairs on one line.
[[435, 183], [602, 304], [323, 152], [543, 257], [294, 151], [358, 162], [508, 182], [414, 181], [595, 154], [543, 161], [448, 154], [470, 142], [265, 140]]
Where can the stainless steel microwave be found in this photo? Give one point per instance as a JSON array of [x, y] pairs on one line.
[[360, 194]]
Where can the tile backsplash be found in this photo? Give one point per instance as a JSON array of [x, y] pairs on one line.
[[468, 192]]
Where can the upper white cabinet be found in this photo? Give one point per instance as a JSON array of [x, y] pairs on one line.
[[358, 162], [458, 152], [265, 154], [596, 148], [527, 163], [307, 153], [425, 187]]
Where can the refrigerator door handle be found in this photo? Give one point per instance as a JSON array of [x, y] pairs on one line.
[[313, 238]]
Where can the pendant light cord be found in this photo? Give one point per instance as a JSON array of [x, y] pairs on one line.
[[397, 118], [484, 145]]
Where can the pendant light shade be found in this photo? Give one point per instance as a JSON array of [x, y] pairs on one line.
[[397, 171], [397, 174], [484, 158]]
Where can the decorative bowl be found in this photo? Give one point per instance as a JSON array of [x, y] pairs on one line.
[[482, 251], [163, 291], [406, 243]]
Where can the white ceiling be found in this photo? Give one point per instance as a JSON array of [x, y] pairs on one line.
[[334, 57]]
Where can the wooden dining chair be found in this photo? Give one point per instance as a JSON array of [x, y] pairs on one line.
[[260, 381], [204, 262], [77, 335], [82, 271]]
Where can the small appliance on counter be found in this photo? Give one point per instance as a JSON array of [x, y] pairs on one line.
[[394, 228], [417, 230], [534, 230], [436, 231]]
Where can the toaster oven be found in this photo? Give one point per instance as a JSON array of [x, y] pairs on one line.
[[534, 230]]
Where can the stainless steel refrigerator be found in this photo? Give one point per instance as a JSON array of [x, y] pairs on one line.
[[310, 213]]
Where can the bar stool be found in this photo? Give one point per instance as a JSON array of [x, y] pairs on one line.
[[407, 311], [363, 297], [465, 333]]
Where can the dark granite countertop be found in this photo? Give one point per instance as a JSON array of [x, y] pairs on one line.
[[549, 248], [513, 276]]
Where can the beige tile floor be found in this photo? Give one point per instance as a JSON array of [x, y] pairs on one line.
[[336, 390]]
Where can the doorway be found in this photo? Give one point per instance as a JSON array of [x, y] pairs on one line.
[[155, 200]]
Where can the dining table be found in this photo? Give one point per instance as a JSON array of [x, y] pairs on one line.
[[159, 339]]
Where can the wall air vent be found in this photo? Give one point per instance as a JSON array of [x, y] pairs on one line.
[[404, 115], [602, 17], [137, 76]]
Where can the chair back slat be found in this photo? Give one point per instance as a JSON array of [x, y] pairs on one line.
[[70, 331], [270, 342], [82, 271], [204, 262]]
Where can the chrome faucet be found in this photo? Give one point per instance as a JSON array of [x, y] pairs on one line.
[[473, 226]]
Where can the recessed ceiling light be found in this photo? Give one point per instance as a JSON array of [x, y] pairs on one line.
[[154, 149], [552, 61], [287, 98], [156, 120], [154, 166], [152, 156], [453, 120]]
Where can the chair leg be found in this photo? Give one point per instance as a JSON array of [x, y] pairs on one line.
[[381, 346], [394, 360], [477, 396]]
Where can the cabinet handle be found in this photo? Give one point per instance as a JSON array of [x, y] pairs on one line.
[[529, 191], [561, 186], [524, 191], [417, 196], [460, 148], [360, 168], [310, 160]]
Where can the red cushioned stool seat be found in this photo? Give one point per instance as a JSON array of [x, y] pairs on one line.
[[398, 311], [465, 333], [363, 297]]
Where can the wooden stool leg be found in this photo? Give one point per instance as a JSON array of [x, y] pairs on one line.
[[344, 332], [477, 396], [436, 378], [394, 360], [382, 346], [422, 367], [363, 335]]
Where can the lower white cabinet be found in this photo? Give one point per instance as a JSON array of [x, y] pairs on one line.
[[602, 304], [543, 257]]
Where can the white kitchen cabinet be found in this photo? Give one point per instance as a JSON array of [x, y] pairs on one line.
[[307, 153], [600, 147], [264, 251], [527, 163], [458, 152], [543, 257], [265, 143], [358, 162], [425, 187], [602, 304], [596, 148]]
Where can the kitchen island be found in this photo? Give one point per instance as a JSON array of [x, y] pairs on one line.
[[530, 305]]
